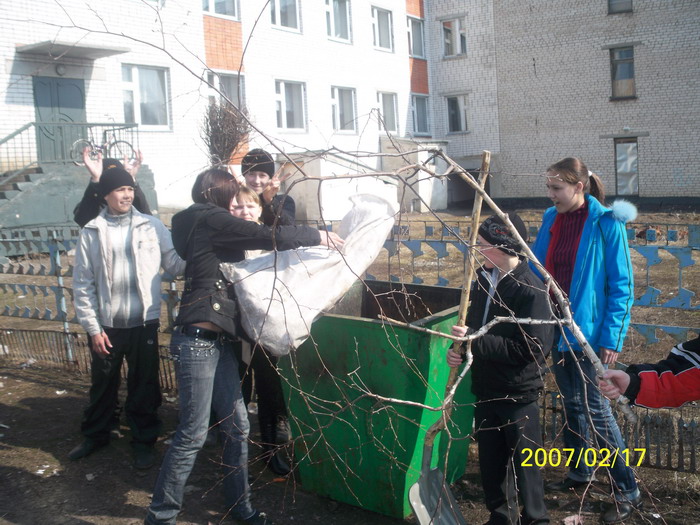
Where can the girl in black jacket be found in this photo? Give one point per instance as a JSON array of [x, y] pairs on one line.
[[202, 346]]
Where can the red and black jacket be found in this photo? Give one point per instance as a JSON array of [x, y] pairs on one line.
[[668, 383]]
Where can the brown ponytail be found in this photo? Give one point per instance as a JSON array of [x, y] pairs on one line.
[[596, 188], [572, 170]]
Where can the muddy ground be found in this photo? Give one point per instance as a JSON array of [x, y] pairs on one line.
[[41, 406], [40, 409]]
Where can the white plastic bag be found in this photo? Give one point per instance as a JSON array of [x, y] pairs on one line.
[[281, 293]]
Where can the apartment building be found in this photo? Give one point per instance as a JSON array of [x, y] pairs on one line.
[[330, 83], [615, 82], [326, 80]]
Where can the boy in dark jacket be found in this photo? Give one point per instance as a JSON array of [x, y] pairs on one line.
[[509, 362]]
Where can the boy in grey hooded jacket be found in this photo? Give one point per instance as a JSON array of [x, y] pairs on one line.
[[116, 290]]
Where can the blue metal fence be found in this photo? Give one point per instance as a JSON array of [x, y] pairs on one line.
[[38, 261]]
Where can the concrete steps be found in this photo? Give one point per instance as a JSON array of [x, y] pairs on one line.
[[48, 194]]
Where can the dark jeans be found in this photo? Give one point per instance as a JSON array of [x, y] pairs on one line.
[[207, 377], [583, 405], [139, 346], [504, 429]]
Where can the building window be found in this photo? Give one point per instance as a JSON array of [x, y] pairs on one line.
[[626, 173], [343, 106], [457, 113], [382, 29], [416, 47], [619, 6], [285, 13], [289, 98], [145, 95], [228, 86], [622, 72], [338, 19], [419, 108], [221, 7], [388, 112], [454, 34]]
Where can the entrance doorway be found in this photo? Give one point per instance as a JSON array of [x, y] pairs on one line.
[[58, 101]]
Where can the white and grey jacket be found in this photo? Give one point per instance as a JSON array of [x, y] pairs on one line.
[[152, 248]]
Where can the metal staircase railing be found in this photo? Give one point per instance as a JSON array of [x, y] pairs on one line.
[[46, 142]]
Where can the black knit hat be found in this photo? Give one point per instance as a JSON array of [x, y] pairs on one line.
[[258, 160], [495, 232], [114, 178], [111, 163]]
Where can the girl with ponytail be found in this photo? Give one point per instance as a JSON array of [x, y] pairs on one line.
[[583, 245]]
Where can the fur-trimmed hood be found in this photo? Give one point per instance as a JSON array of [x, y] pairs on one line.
[[602, 289], [624, 210]]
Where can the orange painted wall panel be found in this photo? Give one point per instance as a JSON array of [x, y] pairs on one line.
[[419, 75], [415, 8], [223, 43]]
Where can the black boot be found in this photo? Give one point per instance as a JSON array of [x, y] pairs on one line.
[[271, 452], [284, 434]]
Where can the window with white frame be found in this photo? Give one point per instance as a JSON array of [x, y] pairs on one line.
[[626, 173], [145, 91], [619, 6], [338, 19], [457, 108], [419, 108], [343, 107], [454, 35], [290, 101], [221, 7], [229, 86], [416, 47], [285, 13], [622, 72], [388, 111], [382, 29]]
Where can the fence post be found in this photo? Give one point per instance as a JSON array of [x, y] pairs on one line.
[[55, 256]]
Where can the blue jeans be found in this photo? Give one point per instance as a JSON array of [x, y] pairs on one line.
[[207, 376], [584, 403]]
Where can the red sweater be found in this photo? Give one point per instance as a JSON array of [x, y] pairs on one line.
[[566, 235]]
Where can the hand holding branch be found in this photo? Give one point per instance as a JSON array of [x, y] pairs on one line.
[[614, 383], [454, 356]]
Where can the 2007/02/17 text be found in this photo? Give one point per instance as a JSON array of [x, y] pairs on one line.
[[591, 457]]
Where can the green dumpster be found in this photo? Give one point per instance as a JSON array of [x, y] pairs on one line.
[[352, 442]]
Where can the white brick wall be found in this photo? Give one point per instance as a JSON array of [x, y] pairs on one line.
[[550, 95], [176, 155], [537, 76], [554, 88], [311, 57], [473, 74]]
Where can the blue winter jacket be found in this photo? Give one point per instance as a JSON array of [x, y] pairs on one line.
[[602, 285]]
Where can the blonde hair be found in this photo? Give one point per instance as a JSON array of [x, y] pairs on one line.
[[248, 194]]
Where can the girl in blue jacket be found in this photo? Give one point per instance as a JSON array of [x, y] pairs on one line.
[[583, 245]]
